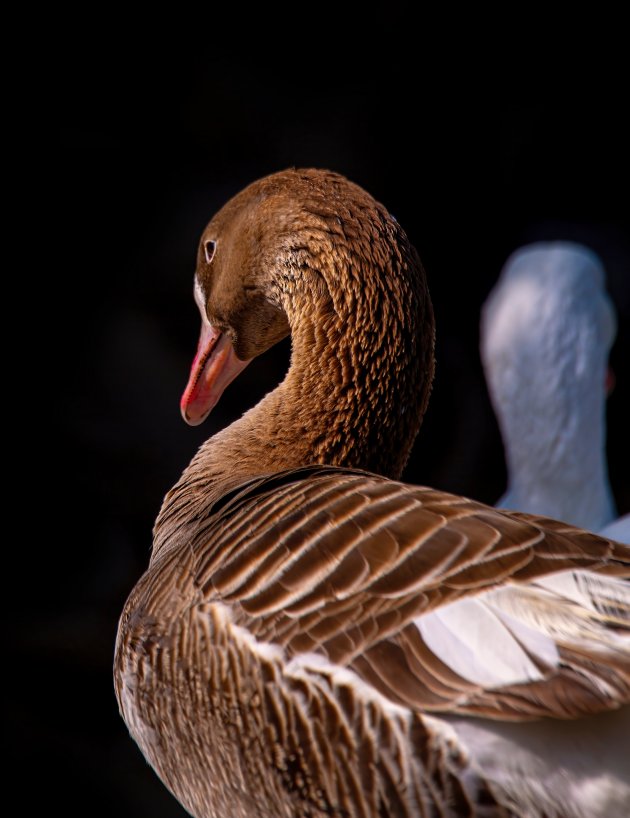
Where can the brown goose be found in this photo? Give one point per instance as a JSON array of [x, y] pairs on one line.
[[274, 659]]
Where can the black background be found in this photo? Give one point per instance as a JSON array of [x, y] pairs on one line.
[[131, 159]]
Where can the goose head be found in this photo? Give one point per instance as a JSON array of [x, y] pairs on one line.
[[241, 318], [310, 254]]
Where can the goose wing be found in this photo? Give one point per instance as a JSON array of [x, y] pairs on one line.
[[439, 602]]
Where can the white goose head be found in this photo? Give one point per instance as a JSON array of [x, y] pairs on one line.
[[546, 332]]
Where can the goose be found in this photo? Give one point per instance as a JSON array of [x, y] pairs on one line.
[[545, 335], [273, 660]]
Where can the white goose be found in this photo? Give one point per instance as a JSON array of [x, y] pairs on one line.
[[546, 332], [277, 658]]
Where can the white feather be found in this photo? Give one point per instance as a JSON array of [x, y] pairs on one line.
[[492, 640], [576, 769], [480, 646]]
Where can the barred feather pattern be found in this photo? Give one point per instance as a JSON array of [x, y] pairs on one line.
[[291, 629], [323, 640]]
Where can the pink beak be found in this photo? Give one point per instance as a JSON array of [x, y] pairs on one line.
[[215, 366]]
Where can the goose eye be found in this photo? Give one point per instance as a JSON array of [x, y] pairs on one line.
[[209, 248]]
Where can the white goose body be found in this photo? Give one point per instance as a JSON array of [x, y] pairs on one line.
[[618, 530], [314, 638]]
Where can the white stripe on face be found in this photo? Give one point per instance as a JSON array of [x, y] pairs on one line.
[[200, 299]]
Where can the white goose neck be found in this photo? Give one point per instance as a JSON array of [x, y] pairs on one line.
[[546, 332]]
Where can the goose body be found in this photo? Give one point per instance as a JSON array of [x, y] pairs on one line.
[[546, 332], [618, 530], [278, 657]]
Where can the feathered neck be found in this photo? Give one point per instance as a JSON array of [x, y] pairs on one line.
[[360, 374], [546, 329], [572, 485]]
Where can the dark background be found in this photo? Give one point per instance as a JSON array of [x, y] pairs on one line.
[[129, 166]]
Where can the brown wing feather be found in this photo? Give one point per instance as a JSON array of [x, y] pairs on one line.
[[341, 563]]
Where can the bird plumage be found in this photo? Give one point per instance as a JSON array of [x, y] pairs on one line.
[[277, 657]]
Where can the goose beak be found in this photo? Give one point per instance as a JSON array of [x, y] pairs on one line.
[[215, 366]]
